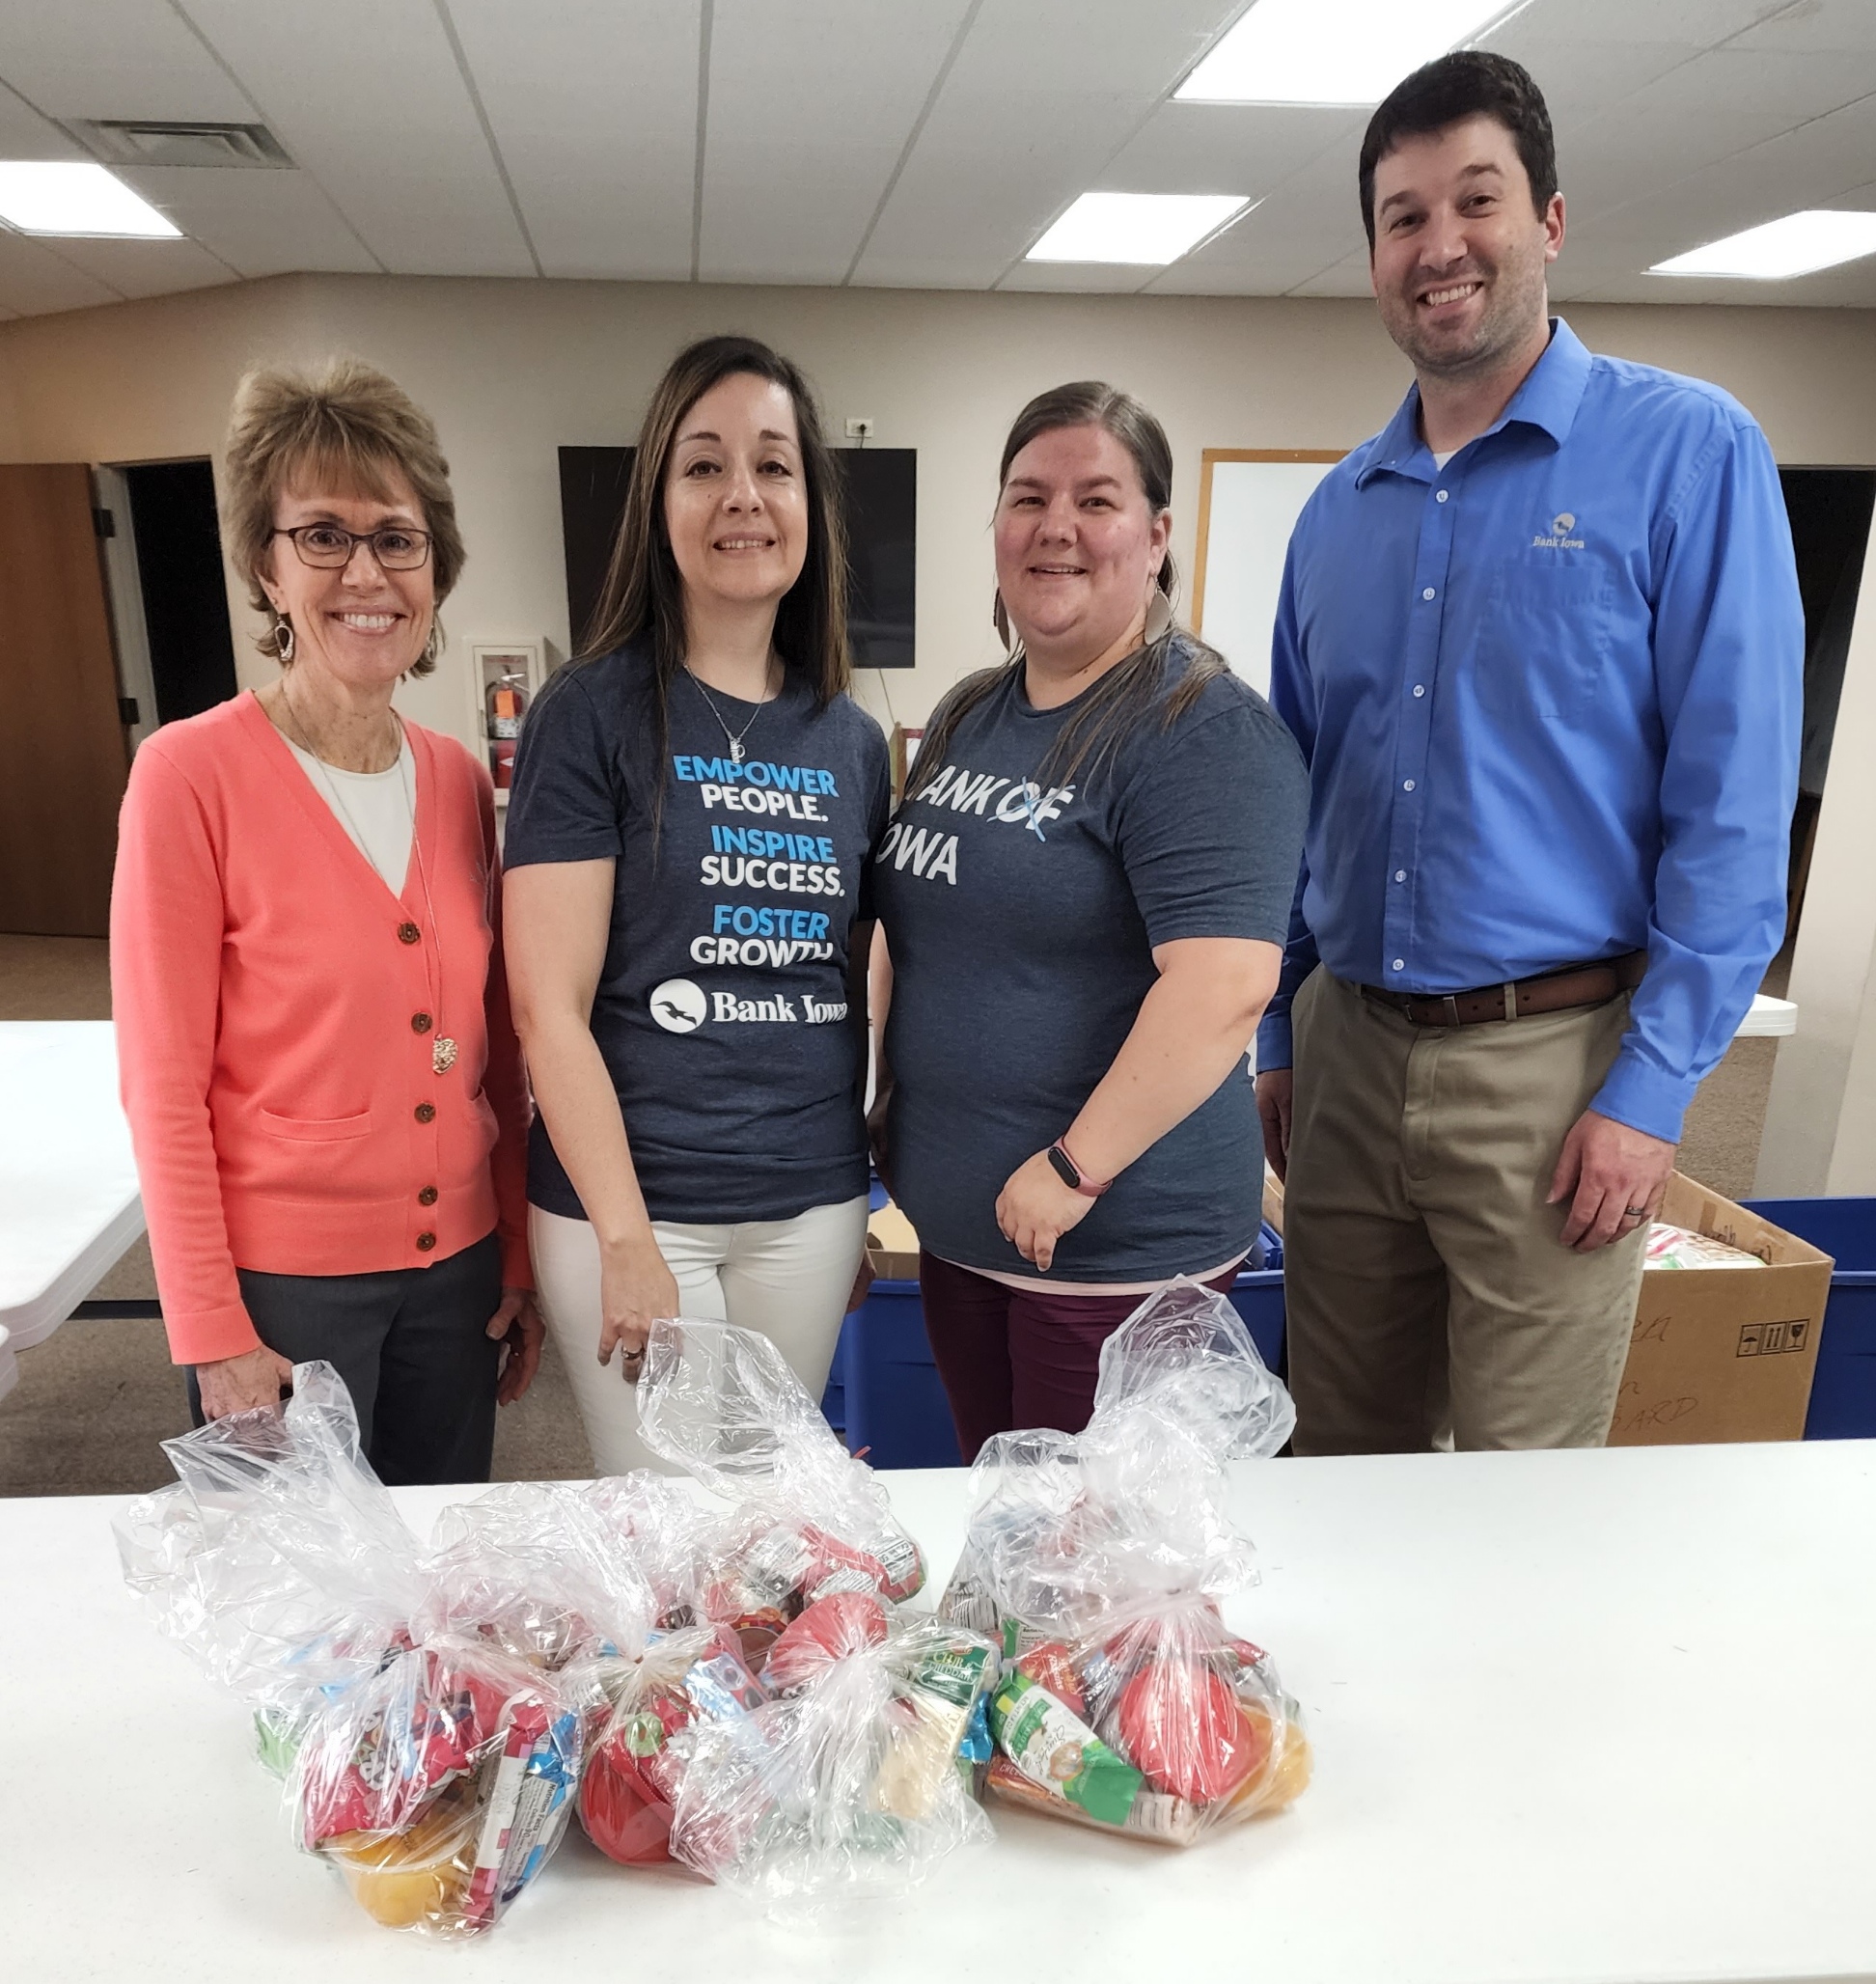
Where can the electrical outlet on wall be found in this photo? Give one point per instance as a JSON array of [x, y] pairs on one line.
[[859, 426]]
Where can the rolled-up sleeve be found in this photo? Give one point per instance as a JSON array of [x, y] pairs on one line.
[[1728, 650]]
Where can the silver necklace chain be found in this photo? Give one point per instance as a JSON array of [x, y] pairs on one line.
[[736, 737]]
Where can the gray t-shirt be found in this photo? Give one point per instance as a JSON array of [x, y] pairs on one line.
[[1022, 918], [722, 1008]]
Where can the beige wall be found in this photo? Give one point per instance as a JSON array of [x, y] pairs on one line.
[[513, 370]]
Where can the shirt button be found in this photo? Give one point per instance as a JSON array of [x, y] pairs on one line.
[[427, 1195], [409, 933], [424, 1242], [1419, 688], [1440, 496], [424, 1111], [1428, 594], [1401, 964], [1406, 784], [420, 1023], [1400, 874]]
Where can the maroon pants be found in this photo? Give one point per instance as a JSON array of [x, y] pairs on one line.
[[1018, 1357]]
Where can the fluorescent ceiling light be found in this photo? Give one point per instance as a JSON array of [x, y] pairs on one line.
[[1819, 239], [41, 199], [1146, 227], [1330, 51]]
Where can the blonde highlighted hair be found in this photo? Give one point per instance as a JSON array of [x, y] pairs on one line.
[[346, 430]]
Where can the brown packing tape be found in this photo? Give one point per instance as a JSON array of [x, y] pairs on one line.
[[1716, 1355]]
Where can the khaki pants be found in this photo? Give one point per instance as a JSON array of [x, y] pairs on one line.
[[1426, 1285]]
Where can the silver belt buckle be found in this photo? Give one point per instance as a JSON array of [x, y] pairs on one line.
[[1510, 1001]]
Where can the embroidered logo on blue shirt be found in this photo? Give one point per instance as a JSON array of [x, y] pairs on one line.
[[1559, 537]]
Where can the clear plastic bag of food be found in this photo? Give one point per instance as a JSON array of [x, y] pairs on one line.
[[1100, 1561], [541, 1570], [722, 1404], [278, 1560], [440, 1786], [854, 1780]]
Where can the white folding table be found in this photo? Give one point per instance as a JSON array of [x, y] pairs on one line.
[[68, 1197], [1577, 1718]]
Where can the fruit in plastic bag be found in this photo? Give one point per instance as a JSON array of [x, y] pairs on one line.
[[404, 1879]]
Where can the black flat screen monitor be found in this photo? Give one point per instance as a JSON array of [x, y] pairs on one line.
[[879, 490]]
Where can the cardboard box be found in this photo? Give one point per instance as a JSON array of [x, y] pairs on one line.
[[1724, 1353], [1273, 1201], [892, 1246]]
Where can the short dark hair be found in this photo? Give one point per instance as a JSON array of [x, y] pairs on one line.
[[1471, 83]]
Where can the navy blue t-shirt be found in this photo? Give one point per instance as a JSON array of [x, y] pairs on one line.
[[1022, 912], [722, 1008]]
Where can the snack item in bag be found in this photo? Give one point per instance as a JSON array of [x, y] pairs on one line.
[[1102, 1559]]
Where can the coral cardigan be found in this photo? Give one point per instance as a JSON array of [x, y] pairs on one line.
[[276, 1010]]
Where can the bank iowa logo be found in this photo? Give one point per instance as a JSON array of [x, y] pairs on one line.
[[1560, 536], [679, 1007]]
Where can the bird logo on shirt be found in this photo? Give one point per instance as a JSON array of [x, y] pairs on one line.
[[1562, 523], [679, 1007]]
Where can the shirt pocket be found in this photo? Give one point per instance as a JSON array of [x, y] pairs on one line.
[[1543, 641], [316, 1129]]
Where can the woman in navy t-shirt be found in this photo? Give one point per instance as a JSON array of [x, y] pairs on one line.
[[687, 851], [1085, 895]]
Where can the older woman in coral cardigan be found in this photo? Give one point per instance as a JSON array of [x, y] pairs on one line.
[[325, 1090]]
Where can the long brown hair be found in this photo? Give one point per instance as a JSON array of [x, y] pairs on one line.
[[1123, 699], [644, 594]]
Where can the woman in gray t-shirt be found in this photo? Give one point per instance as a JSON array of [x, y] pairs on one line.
[[687, 841], [1085, 893]]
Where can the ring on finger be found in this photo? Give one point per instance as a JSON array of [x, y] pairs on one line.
[[1635, 1212]]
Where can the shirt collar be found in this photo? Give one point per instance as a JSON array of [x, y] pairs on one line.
[[1549, 398]]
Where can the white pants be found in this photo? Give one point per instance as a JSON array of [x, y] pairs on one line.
[[790, 1278]]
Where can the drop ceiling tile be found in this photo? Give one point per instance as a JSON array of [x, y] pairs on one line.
[[1231, 148], [1348, 277], [594, 106], [148, 268], [25, 134], [34, 280], [788, 193], [1819, 26], [375, 107], [1785, 83], [1036, 107], [261, 223], [1612, 162], [121, 59]]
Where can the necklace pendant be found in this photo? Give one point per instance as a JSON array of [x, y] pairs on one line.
[[443, 1054], [735, 751]]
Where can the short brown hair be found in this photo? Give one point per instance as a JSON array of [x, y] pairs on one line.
[[347, 427], [1472, 82]]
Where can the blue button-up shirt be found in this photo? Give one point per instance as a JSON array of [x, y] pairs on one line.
[[1551, 695]]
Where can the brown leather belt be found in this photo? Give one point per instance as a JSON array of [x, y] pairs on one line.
[[1569, 985]]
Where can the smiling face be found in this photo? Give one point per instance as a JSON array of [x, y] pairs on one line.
[[1460, 252], [735, 496], [1078, 545], [363, 624]]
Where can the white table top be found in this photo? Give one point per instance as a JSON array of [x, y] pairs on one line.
[[1581, 1716], [68, 1199]]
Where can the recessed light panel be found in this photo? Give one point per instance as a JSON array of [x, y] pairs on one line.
[[41, 198], [1330, 51], [1794, 246], [1150, 228]]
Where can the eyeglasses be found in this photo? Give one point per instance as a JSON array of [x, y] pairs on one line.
[[329, 547]]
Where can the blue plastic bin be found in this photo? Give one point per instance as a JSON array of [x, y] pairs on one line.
[[885, 1386], [1843, 1393]]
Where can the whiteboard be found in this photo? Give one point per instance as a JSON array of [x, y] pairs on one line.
[[1248, 505]]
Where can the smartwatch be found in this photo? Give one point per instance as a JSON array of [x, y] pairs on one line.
[[1071, 1172]]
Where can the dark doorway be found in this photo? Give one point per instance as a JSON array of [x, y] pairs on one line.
[[184, 594], [1830, 510], [879, 502]]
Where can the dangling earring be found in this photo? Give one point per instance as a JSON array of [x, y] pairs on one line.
[[433, 646], [1159, 618], [999, 620], [282, 640]]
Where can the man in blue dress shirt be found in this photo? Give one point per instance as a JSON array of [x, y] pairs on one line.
[[1541, 643]]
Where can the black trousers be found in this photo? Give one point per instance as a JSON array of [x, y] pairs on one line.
[[411, 1347]]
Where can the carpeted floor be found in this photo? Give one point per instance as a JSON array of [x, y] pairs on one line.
[[96, 1398]]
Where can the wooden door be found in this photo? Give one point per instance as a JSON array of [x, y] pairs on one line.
[[63, 757]]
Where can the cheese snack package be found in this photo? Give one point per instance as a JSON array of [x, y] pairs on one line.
[[1100, 1561]]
